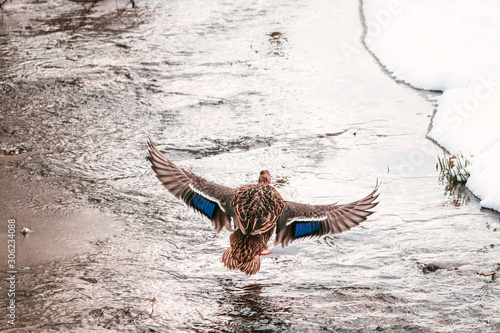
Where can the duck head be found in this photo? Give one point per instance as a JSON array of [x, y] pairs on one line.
[[264, 178]]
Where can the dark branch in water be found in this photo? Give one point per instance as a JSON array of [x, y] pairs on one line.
[[132, 2], [492, 274], [84, 2], [2, 2]]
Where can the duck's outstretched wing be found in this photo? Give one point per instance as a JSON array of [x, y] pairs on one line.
[[210, 199], [301, 220]]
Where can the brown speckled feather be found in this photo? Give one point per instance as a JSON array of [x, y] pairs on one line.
[[245, 250], [257, 208]]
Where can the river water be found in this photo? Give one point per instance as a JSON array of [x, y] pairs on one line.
[[227, 89]]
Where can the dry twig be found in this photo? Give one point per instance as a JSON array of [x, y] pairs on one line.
[[492, 274]]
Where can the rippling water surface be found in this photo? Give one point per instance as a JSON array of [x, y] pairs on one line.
[[227, 89]]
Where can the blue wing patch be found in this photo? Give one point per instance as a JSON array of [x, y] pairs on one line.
[[305, 228], [203, 205]]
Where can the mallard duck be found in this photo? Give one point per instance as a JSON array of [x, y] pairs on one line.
[[254, 212]]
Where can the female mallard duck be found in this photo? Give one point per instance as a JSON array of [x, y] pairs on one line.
[[256, 210]]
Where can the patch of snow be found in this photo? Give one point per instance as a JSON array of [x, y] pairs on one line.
[[452, 46]]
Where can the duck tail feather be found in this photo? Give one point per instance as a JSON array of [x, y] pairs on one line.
[[251, 267], [228, 260]]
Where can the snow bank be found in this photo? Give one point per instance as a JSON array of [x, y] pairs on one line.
[[452, 46]]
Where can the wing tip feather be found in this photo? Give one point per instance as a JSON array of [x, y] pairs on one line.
[[341, 218]]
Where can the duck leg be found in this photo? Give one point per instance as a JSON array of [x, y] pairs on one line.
[[266, 252]]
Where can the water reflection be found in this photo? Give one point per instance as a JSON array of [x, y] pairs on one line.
[[249, 307], [456, 194]]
